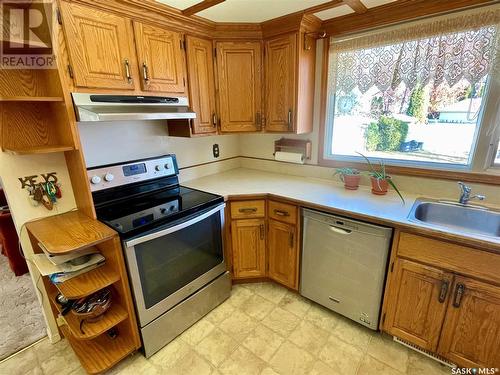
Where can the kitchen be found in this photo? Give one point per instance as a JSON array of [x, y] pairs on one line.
[[255, 190]]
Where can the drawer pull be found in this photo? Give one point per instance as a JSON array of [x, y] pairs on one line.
[[444, 290], [261, 231], [459, 292], [291, 239], [127, 71], [336, 300], [145, 73], [248, 210], [281, 213]]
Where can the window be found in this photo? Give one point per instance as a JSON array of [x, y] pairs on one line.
[[496, 160], [409, 96]]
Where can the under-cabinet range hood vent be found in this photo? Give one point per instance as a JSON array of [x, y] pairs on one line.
[[95, 107]]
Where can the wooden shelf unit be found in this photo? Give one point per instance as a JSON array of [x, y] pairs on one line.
[[30, 150], [31, 99], [73, 231]]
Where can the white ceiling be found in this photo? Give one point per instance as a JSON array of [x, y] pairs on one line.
[[263, 10]]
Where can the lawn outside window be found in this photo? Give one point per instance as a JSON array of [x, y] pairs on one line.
[[419, 96]]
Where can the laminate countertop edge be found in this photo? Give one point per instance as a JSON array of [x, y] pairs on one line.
[[330, 196]]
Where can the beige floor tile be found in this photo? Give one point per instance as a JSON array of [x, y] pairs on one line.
[[239, 295], [384, 349], [216, 347], [20, 364], [419, 364], [171, 353], [263, 342], [343, 358], [191, 364], [322, 317], [238, 325], [135, 365], [60, 363], [295, 303], [270, 291], [242, 362], [257, 307], [309, 337], [353, 333], [281, 321], [268, 371], [292, 360], [198, 332], [370, 366], [321, 368], [45, 348], [220, 313]]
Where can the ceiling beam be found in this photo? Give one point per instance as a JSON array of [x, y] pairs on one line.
[[196, 8], [324, 6], [356, 5], [398, 11]]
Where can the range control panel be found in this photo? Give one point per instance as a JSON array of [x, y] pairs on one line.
[[123, 174]]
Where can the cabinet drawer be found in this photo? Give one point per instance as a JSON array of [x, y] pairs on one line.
[[283, 212], [445, 255], [248, 209]]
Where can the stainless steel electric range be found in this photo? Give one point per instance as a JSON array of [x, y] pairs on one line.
[[172, 240]]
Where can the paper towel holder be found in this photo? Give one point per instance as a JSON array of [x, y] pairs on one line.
[[294, 145]]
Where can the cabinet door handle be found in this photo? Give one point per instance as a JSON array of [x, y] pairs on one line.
[[444, 290], [291, 239], [459, 292], [214, 119], [281, 213], [261, 231], [289, 119], [247, 210], [145, 72], [127, 71]]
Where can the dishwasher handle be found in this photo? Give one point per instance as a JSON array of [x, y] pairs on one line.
[[340, 230]]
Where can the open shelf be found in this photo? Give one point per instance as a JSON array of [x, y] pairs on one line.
[[101, 353], [31, 99], [37, 149], [88, 283]]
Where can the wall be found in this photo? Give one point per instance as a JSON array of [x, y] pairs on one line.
[[13, 167], [112, 142]]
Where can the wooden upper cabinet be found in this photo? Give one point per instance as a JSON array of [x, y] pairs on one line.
[[100, 48], [239, 73], [201, 82], [417, 303], [161, 59], [281, 83], [282, 253], [471, 332], [249, 248]]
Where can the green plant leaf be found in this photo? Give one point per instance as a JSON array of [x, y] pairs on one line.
[[396, 189]]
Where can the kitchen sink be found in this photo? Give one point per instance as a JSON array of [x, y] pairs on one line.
[[471, 219]]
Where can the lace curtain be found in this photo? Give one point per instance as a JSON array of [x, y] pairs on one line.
[[446, 50]]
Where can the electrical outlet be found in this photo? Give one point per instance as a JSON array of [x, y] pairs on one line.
[[215, 149]]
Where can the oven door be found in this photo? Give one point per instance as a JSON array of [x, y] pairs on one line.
[[168, 265]]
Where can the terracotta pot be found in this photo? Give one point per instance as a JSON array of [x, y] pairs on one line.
[[351, 181], [379, 187]]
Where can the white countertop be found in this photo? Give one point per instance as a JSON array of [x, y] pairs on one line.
[[328, 194]]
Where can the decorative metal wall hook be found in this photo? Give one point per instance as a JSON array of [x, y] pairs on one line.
[[45, 192]]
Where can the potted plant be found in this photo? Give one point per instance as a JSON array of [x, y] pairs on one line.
[[380, 179], [349, 176]]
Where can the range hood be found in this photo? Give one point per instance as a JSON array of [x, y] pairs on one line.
[[96, 107]]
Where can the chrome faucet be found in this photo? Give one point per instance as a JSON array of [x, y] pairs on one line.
[[465, 196]]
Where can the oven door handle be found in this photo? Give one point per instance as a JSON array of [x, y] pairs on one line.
[[175, 228]]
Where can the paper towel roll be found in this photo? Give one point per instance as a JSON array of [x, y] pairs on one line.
[[291, 157]]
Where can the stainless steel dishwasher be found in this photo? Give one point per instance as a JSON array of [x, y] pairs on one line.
[[343, 265]]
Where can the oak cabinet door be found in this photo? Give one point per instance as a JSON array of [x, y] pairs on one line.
[[417, 302], [249, 248], [281, 78], [471, 331], [161, 59], [239, 73], [282, 253], [99, 47], [201, 82]]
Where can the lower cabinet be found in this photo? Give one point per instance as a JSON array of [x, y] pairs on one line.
[[440, 309], [249, 247], [282, 255], [264, 243]]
